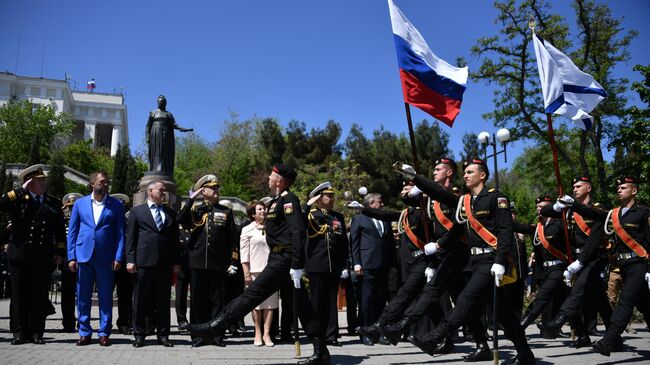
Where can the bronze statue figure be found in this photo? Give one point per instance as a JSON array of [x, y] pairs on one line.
[[160, 138]]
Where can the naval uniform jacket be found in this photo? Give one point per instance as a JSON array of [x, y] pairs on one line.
[[213, 235], [37, 231], [285, 227], [327, 246]]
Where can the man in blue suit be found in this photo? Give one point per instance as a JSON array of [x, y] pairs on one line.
[[95, 250], [371, 241]]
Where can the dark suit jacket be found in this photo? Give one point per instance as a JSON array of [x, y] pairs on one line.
[[369, 249], [145, 245]]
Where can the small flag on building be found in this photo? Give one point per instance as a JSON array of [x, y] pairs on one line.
[[91, 85]]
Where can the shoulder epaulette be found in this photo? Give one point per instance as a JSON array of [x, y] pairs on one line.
[[492, 190], [284, 193], [11, 195], [597, 205]]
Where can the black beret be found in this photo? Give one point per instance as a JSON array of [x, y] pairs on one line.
[[285, 171]]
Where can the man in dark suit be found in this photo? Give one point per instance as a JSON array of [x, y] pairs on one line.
[[152, 250], [95, 251], [37, 239], [371, 241]]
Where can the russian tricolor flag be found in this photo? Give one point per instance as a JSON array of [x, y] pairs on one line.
[[428, 82]]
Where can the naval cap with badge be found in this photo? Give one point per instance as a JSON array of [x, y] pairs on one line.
[[543, 198], [121, 197], [69, 199], [324, 188], [209, 180], [581, 178], [447, 161], [32, 172]]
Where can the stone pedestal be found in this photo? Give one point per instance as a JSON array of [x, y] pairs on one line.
[[171, 198]]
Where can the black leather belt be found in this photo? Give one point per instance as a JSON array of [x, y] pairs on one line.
[[280, 248]]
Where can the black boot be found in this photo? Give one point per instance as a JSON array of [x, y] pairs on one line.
[[208, 330], [373, 331], [553, 328], [524, 355], [527, 320], [482, 353], [608, 343], [581, 341], [427, 343], [393, 332], [321, 355], [446, 347]]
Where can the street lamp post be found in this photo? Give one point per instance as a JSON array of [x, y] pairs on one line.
[[503, 136]]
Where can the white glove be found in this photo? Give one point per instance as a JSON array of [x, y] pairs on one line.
[[574, 267], [498, 271], [355, 205], [567, 278], [566, 200], [415, 191], [296, 274], [558, 206], [357, 267], [431, 248], [232, 270], [345, 274], [407, 170], [429, 273], [647, 279]]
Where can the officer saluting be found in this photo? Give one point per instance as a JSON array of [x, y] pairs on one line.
[[212, 239], [286, 237], [37, 237], [327, 250]]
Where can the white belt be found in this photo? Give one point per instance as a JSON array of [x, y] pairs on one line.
[[417, 253], [552, 263], [625, 256], [480, 251]]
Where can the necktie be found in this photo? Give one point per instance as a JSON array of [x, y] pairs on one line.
[[37, 198], [158, 218], [380, 227]]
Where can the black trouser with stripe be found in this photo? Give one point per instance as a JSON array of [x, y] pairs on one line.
[[269, 280], [634, 293], [585, 293], [323, 293], [552, 286], [473, 299]]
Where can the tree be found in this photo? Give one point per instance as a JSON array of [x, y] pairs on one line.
[[81, 156], [194, 158], [126, 175], [471, 147], [431, 143], [36, 124], [631, 141], [56, 177]]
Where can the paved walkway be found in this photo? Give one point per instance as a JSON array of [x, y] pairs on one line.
[[60, 349]]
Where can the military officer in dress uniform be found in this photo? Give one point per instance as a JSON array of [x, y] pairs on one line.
[[68, 278], [213, 236], [327, 250], [37, 238], [285, 232]]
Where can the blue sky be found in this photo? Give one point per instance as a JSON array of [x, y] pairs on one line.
[[305, 60]]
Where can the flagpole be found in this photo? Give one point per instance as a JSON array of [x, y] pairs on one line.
[[412, 138], [558, 181]]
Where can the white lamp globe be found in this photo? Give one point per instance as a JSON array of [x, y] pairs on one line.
[[503, 135], [484, 138]]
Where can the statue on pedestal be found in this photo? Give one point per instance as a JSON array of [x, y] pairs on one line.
[[160, 139]]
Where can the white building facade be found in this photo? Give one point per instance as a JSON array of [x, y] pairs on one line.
[[100, 117]]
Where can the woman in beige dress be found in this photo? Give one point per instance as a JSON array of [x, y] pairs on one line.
[[254, 254]]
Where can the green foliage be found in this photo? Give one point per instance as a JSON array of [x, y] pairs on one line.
[[27, 130], [126, 175], [82, 157], [56, 178], [193, 160], [631, 141]]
